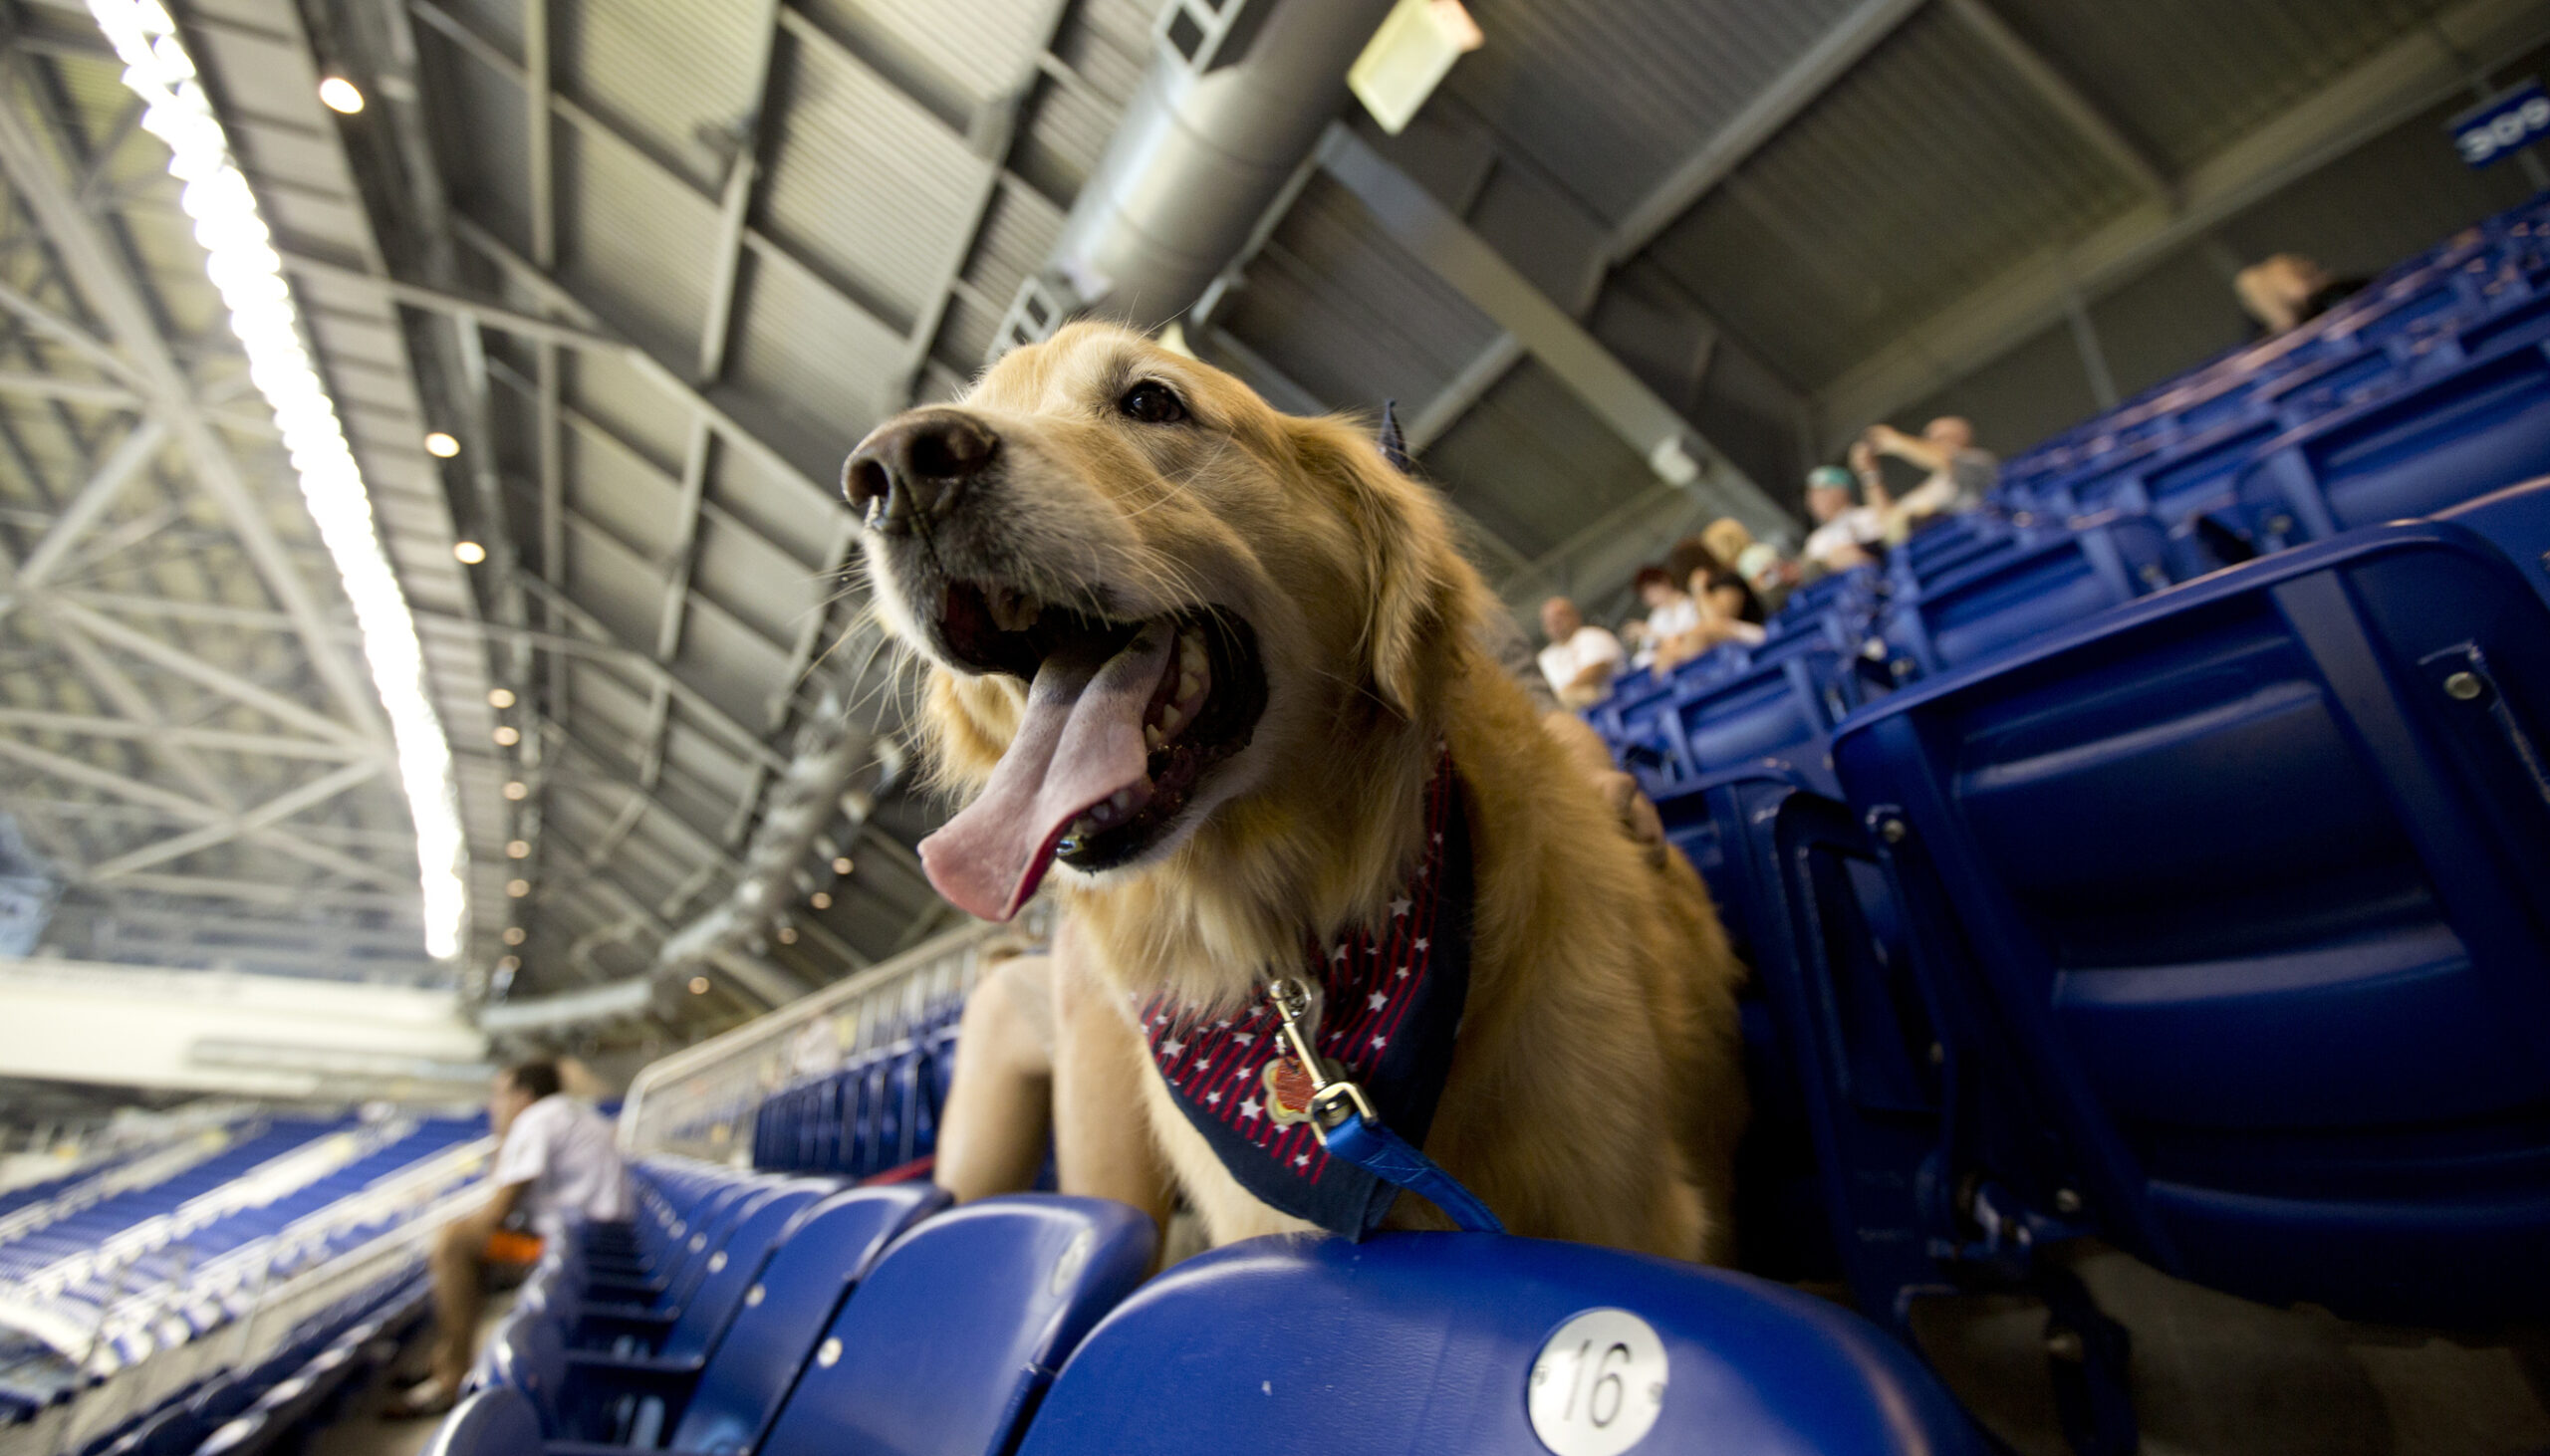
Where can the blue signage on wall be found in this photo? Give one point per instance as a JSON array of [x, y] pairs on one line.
[[2496, 129]]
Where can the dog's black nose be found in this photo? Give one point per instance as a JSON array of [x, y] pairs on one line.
[[914, 466]]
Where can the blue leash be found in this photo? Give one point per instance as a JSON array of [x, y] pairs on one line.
[[1347, 1126]]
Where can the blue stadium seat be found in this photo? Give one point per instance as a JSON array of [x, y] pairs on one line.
[[496, 1419], [1427, 1344], [948, 1346], [2001, 601], [2244, 882], [2477, 428], [941, 1349], [727, 1399]]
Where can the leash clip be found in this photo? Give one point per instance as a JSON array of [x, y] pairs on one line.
[[1334, 1098]]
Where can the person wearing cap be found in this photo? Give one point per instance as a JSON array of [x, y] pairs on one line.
[[1843, 531]]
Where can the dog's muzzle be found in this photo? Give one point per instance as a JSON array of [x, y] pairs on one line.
[[914, 469]]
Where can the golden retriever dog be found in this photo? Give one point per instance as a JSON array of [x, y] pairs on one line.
[[1203, 659]]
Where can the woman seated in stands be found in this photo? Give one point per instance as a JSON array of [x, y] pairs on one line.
[[1725, 609], [1671, 615]]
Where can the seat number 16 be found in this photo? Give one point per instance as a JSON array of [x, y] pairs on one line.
[[1598, 1384]]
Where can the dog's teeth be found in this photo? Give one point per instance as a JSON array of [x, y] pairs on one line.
[[1121, 800], [1014, 610], [1152, 738], [1191, 652], [1084, 826], [1101, 814], [1170, 720], [1190, 687]]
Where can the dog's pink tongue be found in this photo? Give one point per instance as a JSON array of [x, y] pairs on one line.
[[1080, 741]]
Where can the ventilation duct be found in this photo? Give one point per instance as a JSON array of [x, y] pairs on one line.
[[1236, 94], [821, 781]]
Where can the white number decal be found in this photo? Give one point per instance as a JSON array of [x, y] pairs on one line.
[[1598, 1384]]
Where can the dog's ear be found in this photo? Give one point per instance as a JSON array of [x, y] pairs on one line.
[[1413, 580]]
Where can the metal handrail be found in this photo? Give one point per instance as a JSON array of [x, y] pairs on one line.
[[701, 1101]]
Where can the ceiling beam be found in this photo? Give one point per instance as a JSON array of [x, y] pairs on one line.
[[104, 485], [105, 280], [70, 391], [262, 893], [270, 745], [996, 151], [2062, 95], [273, 812], [73, 771], [222, 680], [665, 377], [458, 306], [590, 124], [1652, 428], [1763, 118], [2423, 68]]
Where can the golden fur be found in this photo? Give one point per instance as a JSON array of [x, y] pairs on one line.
[[1595, 1092]]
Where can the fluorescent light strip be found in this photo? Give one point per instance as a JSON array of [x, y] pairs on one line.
[[243, 266]]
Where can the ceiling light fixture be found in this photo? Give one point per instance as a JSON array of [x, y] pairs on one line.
[[699, 985], [517, 791], [516, 935], [469, 553], [841, 865], [441, 446], [518, 888], [820, 900], [500, 697], [242, 264], [507, 735], [338, 93], [518, 849], [1410, 55]]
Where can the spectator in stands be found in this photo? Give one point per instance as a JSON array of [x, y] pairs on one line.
[[1956, 475], [1729, 611], [1843, 529], [2287, 290], [1581, 657], [1767, 573], [1721, 603], [1669, 613], [1688, 554], [556, 1163]]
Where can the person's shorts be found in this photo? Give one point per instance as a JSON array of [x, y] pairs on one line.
[[505, 1245]]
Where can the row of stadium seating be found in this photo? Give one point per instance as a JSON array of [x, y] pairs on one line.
[[875, 1112], [119, 1281], [2174, 874], [303, 1385], [2429, 388], [789, 1316]]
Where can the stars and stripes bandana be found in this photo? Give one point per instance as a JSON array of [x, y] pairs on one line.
[[1390, 999]]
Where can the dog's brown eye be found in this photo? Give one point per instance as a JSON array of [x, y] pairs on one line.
[[1152, 402]]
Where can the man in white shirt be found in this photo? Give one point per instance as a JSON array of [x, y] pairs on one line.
[[1843, 531], [556, 1165], [1581, 658]]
